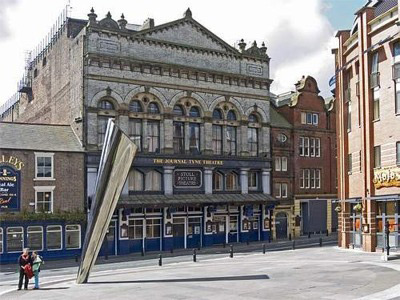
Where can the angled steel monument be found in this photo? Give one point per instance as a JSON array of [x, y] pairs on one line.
[[115, 162]]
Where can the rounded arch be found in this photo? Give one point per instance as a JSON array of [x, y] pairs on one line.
[[233, 101], [258, 112], [180, 95], [135, 106], [112, 96], [132, 94], [179, 110]]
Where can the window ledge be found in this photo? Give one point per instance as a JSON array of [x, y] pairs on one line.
[[44, 179]]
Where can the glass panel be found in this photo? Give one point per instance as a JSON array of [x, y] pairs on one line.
[[217, 114], [178, 110], [194, 138], [194, 112], [135, 132], [252, 140], [153, 181], [231, 115], [135, 181], [179, 137], [105, 105], [15, 239], [53, 238], [153, 228], [35, 237], [135, 106], [231, 182], [391, 208], [217, 181], [72, 236], [153, 108], [231, 140], [153, 132], [217, 139], [253, 118]]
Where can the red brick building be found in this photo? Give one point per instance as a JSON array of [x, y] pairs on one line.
[[368, 126], [42, 190], [304, 161]]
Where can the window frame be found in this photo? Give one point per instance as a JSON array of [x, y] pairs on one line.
[[139, 104], [236, 182], [195, 110], [131, 173], [178, 142], [278, 163], [216, 140], [253, 174], [196, 150], [44, 189], [377, 154], [315, 119], [180, 108], [398, 153], [231, 143], [133, 226], [251, 143], [284, 163], [102, 135], [104, 107], [220, 115], [79, 235], [146, 178], [42, 237], [302, 179], [284, 190], [221, 181], [53, 231], [152, 226], [132, 133], [151, 110], [153, 137], [44, 155], [350, 163], [23, 238]]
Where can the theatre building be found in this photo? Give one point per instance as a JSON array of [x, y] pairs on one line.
[[41, 190], [196, 107], [304, 161], [368, 129]]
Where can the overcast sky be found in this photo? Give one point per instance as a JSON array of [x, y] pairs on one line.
[[299, 34]]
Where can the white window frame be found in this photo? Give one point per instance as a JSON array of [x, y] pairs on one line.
[[284, 163], [315, 119], [318, 178], [2, 239], [302, 178], [284, 190], [317, 150], [80, 239], [309, 115], [303, 118], [43, 189], [301, 147], [307, 178], [253, 188], [279, 185], [44, 154], [312, 147], [61, 237], [23, 238], [312, 178], [27, 237], [307, 146], [278, 163]]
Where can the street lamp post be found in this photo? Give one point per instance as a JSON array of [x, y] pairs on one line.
[[387, 232]]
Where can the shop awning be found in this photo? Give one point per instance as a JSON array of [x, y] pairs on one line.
[[194, 199]]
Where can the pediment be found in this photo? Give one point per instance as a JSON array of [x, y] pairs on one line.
[[190, 33]]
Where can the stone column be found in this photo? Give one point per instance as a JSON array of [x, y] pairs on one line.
[[207, 138], [266, 181], [168, 136], [145, 141], [92, 128], [244, 180], [208, 174], [124, 123], [168, 170], [187, 136]]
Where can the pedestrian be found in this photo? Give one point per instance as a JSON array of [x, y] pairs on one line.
[[37, 261], [24, 261]]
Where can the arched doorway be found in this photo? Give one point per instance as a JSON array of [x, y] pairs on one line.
[[281, 225]]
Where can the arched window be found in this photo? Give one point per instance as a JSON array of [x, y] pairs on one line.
[[153, 181], [135, 106], [231, 138], [105, 104], [153, 108], [253, 118], [217, 114], [135, 180], [232, 183], [217, 181], [194, 112], [178, 110], [231, 116]]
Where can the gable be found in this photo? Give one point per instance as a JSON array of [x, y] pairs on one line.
[[188, 32]]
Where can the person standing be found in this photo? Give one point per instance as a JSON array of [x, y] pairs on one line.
[[24, 260], [37, 261]]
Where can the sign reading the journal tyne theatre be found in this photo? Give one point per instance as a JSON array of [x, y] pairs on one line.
[[387, 177], [9, 188], [187, 178]]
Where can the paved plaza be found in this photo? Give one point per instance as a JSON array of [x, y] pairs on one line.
[[314, 273]]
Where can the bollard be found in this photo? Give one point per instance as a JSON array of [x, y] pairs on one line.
[[142, 252], [160, 260], [231, 251], [290, 236], [247, 242], [194, 255], [172, 250], [269, 238], [309, 235], [76, 258], [327, 233], [320, 242], [294, 245], [264, 248], [198, 246]]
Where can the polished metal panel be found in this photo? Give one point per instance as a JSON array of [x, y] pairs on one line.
[[115, 162]]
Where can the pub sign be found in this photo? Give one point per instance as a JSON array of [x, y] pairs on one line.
[[10, 188]]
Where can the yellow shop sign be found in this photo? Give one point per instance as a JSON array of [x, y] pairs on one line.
[[387, 177]]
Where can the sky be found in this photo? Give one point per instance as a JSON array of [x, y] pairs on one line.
[[299, 34]]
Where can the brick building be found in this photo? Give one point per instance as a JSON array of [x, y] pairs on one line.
[[197, 108], [41, 190], [304, 161], [368, 122]]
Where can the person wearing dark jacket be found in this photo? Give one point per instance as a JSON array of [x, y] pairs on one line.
[[24, 260]]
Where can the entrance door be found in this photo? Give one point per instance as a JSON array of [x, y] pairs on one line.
[[304, 218], [178, 232], [356, 231], [281, 225], [233, 229], [219, 228], [253, 229], [193, 232]]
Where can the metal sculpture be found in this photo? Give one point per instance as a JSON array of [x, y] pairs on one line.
[[115, 162]]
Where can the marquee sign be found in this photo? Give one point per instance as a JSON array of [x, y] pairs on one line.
[[387, 177], [10, 188], [187, 178], [183, 161]]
